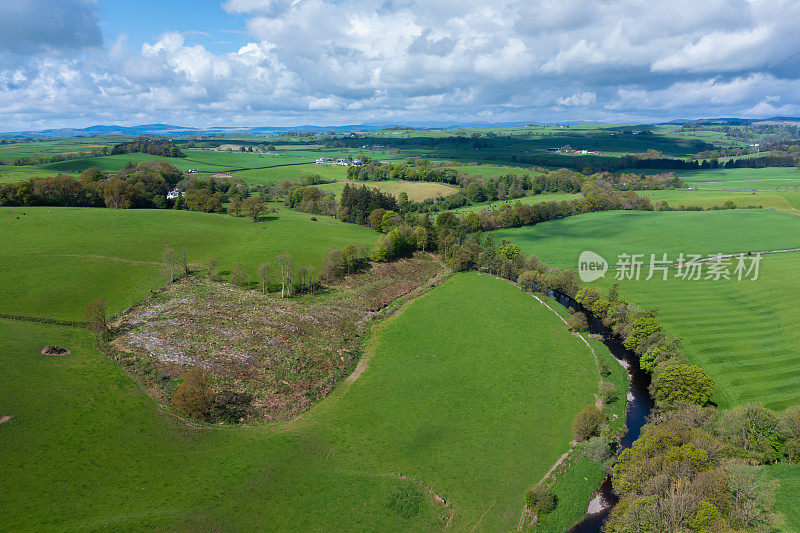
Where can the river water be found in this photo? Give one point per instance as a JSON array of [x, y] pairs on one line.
[[638, 408]]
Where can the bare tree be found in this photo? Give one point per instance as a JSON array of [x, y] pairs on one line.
[[211, 265], [184, 262], [677, 505], [168, 263], [752, 495], [264, 276], [304, 276], [286, 265], [311, 278], [238, 276]]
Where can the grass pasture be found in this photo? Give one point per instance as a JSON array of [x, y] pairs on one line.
[[708, 199], [56, 260], [115, 163], [65, 146], [446, 407], [290, 172], [12, 174], [417, 190], [742, 179], [560, 242]]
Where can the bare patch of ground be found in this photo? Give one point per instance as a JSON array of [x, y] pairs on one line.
[[54, 350], [267, 358], [5, 418], [384, 283]]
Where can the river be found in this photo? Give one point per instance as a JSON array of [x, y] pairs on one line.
[[638, 408]]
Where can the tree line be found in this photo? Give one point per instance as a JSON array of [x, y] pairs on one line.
[[592, 164], [143, 185], [412, 170], [158, 147]]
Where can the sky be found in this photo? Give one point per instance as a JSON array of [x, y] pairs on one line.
[[202, 63]]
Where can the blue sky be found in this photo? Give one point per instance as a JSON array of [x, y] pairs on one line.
[[201, 22], [73, 63]]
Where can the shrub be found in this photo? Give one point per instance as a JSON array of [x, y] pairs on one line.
[[588, 422], [792, 450], [607, 391], [541, 499], [193, 396], [334, 266], [605, 370], [405, 501], [597, 450], [578, 322]]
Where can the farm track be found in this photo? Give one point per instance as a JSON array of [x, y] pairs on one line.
[[111, 258], [787, 212]]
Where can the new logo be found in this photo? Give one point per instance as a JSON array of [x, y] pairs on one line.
[[591, 266]]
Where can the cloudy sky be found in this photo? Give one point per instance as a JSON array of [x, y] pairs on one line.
[[74, 63]]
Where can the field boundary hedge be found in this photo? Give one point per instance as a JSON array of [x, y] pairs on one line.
[[43, 320]]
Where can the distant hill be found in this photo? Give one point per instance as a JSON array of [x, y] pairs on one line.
[[177, 131], [182, 131]]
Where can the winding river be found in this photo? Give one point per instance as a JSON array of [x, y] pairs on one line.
[[639, 405]]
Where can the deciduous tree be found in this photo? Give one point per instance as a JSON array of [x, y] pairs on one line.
[[96, 316], [683, 383], [253, 207]]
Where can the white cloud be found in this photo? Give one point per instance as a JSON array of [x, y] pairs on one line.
[[578, 99], [346, 61]]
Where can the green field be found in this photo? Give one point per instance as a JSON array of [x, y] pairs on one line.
[[446, 406], [56, 260], [417, 190], [742, 179], [12, 174], [49, 148], [115, 163], [708, 199], [291, 172], [743, 333], [560, 242]]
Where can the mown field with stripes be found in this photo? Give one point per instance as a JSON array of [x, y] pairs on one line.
[[560, 242], [746, 334]]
